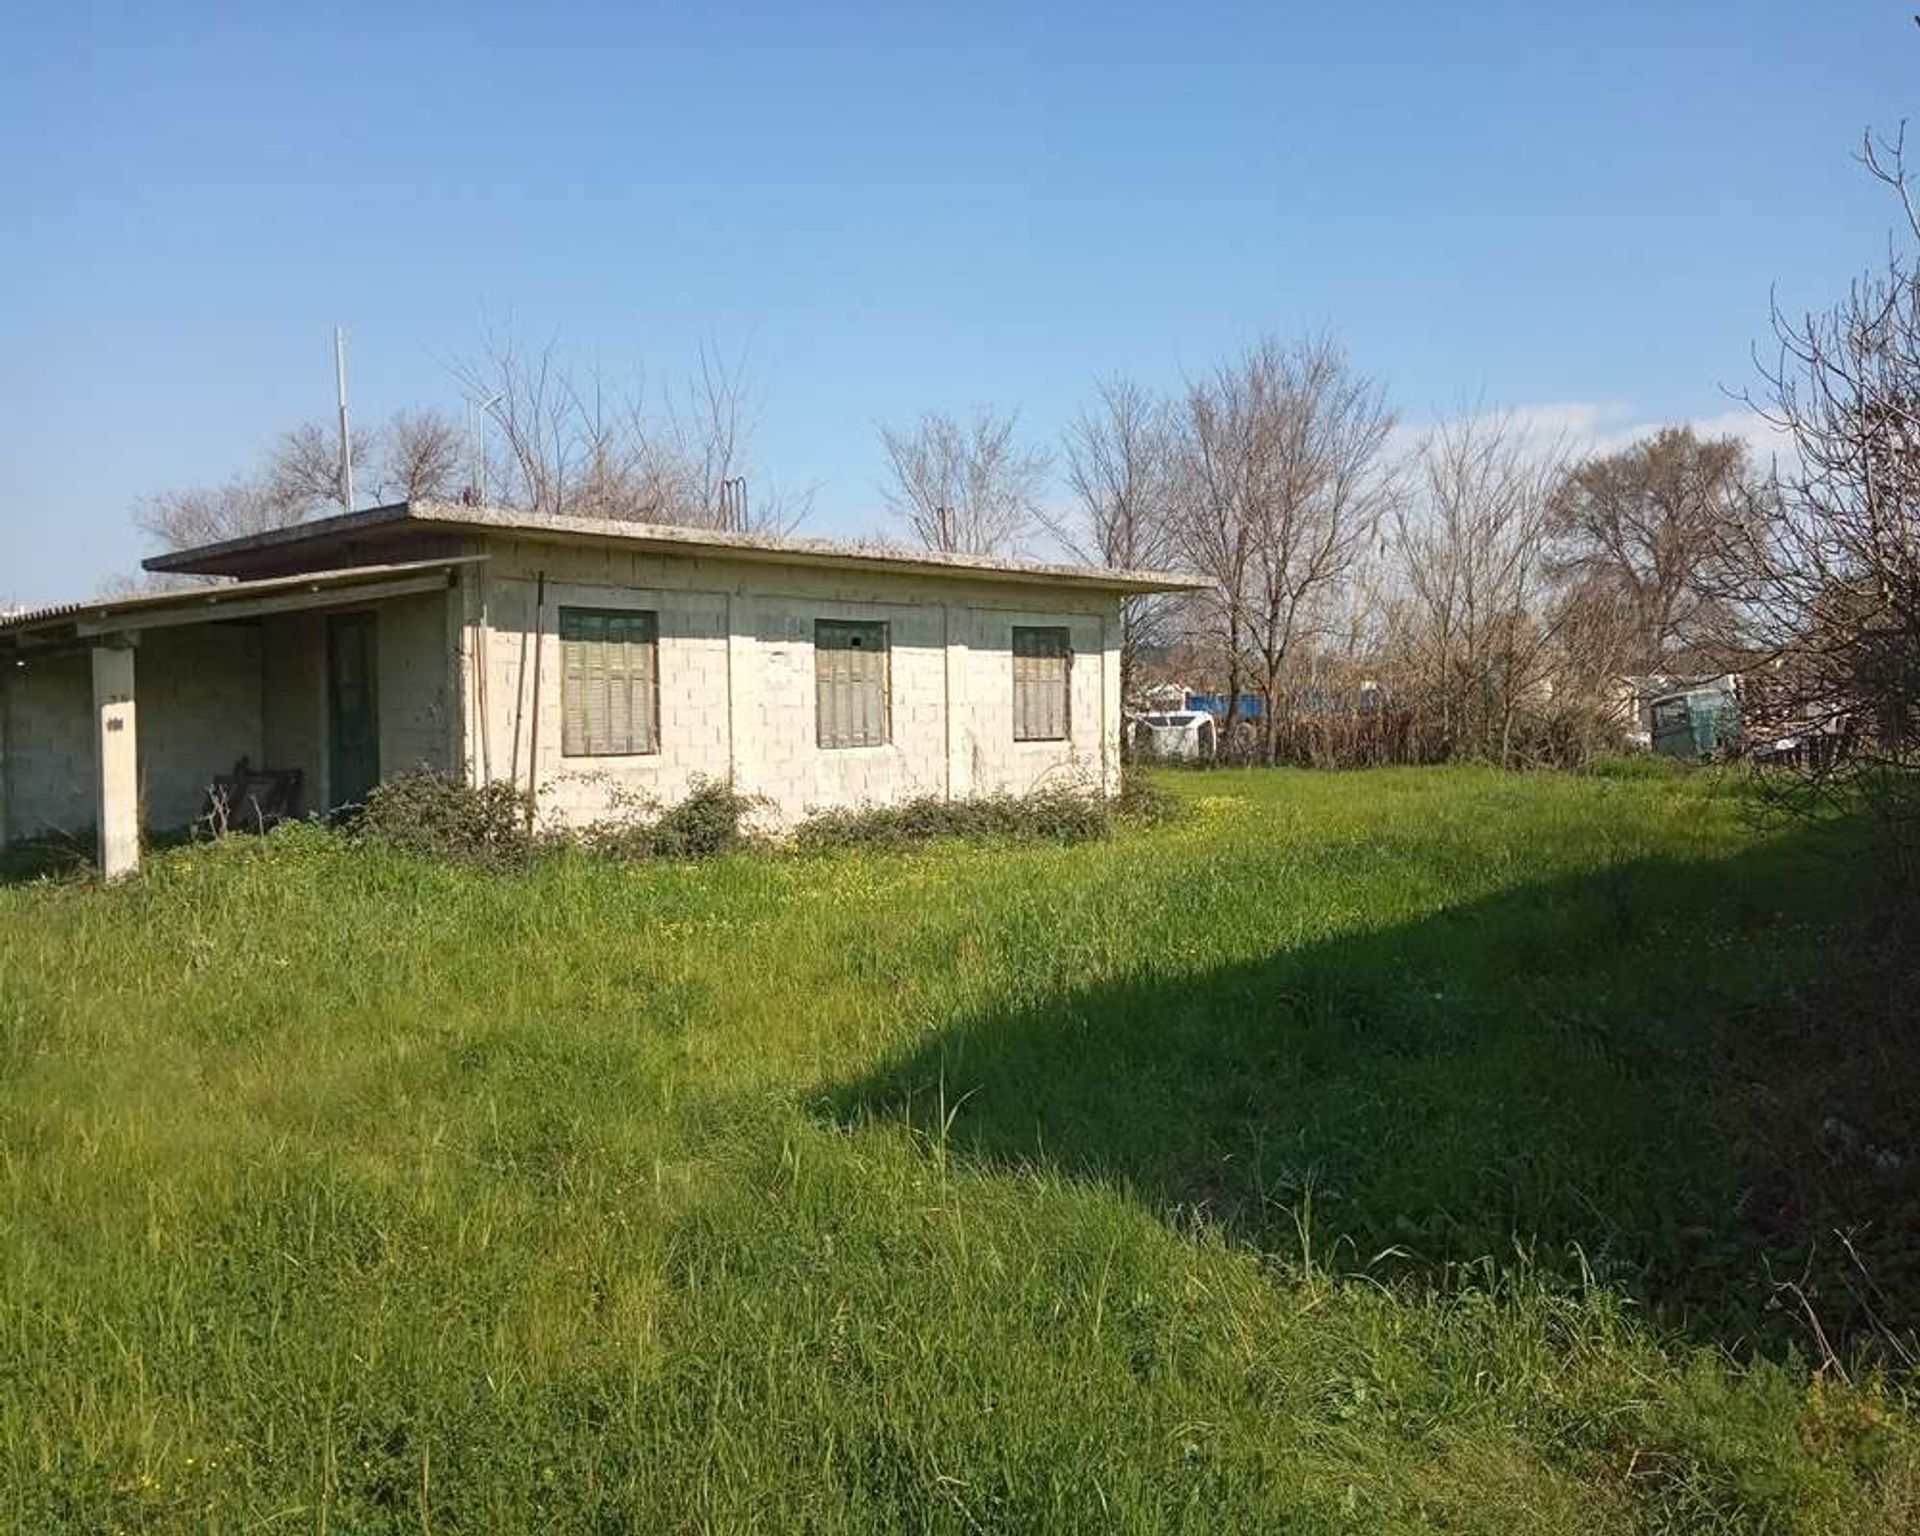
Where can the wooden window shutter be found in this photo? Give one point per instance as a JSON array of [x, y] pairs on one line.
[[850, 679], [1042, 683], [609, 682]]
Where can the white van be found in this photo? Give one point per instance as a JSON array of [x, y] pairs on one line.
[[1183, 734]]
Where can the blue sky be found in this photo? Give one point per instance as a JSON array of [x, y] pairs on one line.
[[1575, 211]]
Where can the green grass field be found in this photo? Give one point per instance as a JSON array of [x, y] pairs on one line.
[[1388, 1151]]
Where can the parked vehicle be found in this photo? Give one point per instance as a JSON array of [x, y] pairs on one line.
[[1696, 723], [1189, 735]]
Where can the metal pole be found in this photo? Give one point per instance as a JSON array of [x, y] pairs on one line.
[[346, 438], [533, 733], [477, 411], [473, 454]]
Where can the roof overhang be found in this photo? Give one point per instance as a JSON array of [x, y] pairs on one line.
[[438, 527], [72, 624]]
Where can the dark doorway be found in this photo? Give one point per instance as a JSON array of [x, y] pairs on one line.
[[353, 713]]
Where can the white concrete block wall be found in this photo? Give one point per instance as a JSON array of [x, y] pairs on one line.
[[693, 697], [48, 752], [457, 674], [208, 695], [293, 700], [737, 681], [199, 692], [997, 762], [781, 760], [198, 689], [412, 684], [410, 644]]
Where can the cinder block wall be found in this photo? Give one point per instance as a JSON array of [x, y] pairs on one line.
[[458, 681], [293, 700], [197, 697], [411, 639], [737, 680], [46, 755], [197, 694], [411, 642]]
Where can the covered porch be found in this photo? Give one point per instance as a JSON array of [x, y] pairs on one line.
[[121, 715]]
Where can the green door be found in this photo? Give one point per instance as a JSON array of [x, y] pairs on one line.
[[353, 712]]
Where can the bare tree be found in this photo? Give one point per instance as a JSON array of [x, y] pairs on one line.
[[419, 457], [540, 419], [1215, 484], [1119, 456], [965, 488], [1641, 527], [1283, 484], [705, 435], [1479, 631], [574, 444], [413, 454], [184, 519], [555, 440], [1824, 569], [1329, 487], [303, 470]]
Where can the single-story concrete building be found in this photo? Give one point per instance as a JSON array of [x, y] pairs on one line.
[[590, 662]]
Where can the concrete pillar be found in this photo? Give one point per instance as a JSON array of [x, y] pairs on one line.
[[957, 713], [116, 762], [1112, 706], [462, 685]]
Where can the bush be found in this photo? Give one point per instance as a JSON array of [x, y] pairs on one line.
[[710, 821], [426, 812], [1143, 801], [1045, 815]]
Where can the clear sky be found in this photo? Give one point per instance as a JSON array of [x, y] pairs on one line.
[[1575, 210]]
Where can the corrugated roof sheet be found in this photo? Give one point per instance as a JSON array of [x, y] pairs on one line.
[[212, 597]]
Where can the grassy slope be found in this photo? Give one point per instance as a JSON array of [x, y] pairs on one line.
[[964, 1189]]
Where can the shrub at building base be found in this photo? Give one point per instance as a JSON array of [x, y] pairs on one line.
[[425, 812], [1045, 815], [711, 820]]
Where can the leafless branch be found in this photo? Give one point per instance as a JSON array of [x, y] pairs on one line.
[[964, 487]]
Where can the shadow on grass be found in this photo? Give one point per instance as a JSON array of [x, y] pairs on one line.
[[53, 856], [1682, 1076], [70, 855]]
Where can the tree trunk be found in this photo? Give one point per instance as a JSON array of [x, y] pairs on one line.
[[1270, 718], [1233, 689]]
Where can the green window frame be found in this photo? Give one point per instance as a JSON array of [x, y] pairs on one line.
[[851, 676], [609, 682], [1042, 682]]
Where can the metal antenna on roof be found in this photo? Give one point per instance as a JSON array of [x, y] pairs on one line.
[[477, 448], [346, 437]]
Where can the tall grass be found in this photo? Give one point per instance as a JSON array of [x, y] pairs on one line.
[[1350, 1153]]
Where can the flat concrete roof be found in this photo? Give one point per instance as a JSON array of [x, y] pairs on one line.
[[413, 524]]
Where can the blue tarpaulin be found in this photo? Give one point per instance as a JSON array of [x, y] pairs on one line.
[[1215, 704]]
